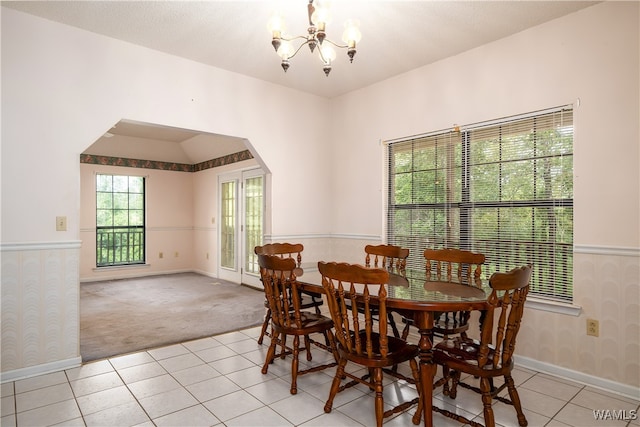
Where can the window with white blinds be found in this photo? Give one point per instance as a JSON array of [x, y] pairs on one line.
[[504, 189]]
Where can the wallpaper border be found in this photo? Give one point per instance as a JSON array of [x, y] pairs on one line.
[[166, 166]]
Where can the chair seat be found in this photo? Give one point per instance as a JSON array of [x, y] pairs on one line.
[[492, 356], [309, 323], [450, 324], [286, 317], [444, 325], [365, 342], [306, 301], [399, 351], [465, 350]]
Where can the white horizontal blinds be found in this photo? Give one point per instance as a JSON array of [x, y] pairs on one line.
[[503, 189], [521, 199], [425, 178]]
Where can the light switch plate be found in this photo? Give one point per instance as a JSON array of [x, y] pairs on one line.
[[61, 223]]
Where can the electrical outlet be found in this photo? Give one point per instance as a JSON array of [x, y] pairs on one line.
[[160, 255], [593, 327]]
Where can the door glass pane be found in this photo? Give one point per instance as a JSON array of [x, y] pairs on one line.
[[253, 221], [228, 225]]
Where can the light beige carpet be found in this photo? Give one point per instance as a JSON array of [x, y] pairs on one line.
[[123, 316]]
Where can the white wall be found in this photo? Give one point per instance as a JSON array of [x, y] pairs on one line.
[[592, 56], [62, 88], [180, 208], [169, 222]]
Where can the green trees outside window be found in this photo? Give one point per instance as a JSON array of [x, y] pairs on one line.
[[503, 189]]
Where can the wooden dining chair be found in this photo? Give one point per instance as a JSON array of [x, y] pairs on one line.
[[392, 258], [353, 292], [492, 355], [287, 318], [308, 300], [457, 265]]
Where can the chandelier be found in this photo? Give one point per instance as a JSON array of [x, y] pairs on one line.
[[319, 17]]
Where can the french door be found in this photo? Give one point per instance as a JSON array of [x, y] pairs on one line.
[[241, 226]]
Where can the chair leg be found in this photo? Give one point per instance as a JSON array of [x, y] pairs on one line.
[[335, 385], [265, 325], [446, 376], [405, 330], [332, 345], [376, 381], [295, 364], [515, 400], [392, 322], [334, 349], [270, 353], [327, 341], [283, 346], [307, 346], [416, 376], [455, 379], [485, 388]]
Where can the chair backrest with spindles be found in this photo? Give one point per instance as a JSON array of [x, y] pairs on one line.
[[386, 256], [279, 280], [283, 250], [448, 264], [504, 315], [349, 288]]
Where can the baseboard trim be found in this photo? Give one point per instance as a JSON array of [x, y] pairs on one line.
[[204, 273], [580, 377], [45, 368], [139, 273]]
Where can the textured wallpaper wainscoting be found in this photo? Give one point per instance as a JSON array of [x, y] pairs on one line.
[[40, 312], [607, 289], [40, 308]]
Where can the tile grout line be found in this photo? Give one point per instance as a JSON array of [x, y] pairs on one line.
[[75, 399], [130, 391], [244, 352]]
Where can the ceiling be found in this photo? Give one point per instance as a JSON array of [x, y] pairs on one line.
[[397, 36], [145, 141]]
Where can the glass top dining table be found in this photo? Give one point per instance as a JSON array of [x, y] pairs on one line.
[[419, 297]]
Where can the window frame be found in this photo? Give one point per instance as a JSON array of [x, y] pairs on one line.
[[462, 231], [135, 234]]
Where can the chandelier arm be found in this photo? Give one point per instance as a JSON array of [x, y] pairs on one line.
[[299, 47], [341, 46], [324, 61], [293, 38]]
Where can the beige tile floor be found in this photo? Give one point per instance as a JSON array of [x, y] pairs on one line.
[[217, 381]]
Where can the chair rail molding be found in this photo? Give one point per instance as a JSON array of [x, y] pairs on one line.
[[40, 246], [607, 250]]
